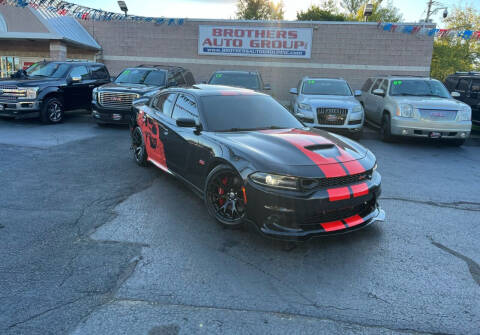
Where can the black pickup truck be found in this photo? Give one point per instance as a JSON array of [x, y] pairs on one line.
[[48, 89], [112, 103]]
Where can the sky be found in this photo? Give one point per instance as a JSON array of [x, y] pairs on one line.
[[412, 10]]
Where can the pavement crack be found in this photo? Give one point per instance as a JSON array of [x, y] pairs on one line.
[[45, 312], [460, 205], [473, 266]]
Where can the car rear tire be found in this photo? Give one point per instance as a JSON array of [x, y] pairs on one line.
[[138, 147], [224, 197], [357, 135], [52, 111], [386, 129]]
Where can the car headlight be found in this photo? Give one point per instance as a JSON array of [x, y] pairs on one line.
[[464, 114], [357, 109], [31, 93], [405, 110], [305, 107], [374, 167], [274, 180]]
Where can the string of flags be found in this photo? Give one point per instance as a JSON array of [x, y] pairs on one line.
[[424, 31], [64, 8]]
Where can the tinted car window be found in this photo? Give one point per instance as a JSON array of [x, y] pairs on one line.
[[326, 87], [223, 113], [246, 80], [99, 72], [155, 78], [475, 86], [189, 78], [185, 107], [463, 85], [55, 70], [376, 85], [367, 84], [164, 103], [451, 83], [179, 78], [418, 87], [80, 71]]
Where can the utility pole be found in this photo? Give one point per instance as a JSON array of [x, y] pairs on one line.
[[429, 10]]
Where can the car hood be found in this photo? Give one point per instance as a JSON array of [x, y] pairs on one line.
[[330, 101], [30, 82], [128, 87], [430, 102], [280, 150]]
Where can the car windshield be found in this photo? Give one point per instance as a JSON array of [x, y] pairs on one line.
[[245, 80], [141, 76], [55, 70], [418, 87], [246, 112], [326, 87]]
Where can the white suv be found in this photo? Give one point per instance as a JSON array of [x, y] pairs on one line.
[[417, 107]]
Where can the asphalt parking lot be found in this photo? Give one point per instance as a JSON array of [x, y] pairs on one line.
[[93, 244]]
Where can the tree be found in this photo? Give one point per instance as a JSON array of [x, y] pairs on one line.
[[260, 10], [451, 54], [382, 11], [351, 6], [328, 12]]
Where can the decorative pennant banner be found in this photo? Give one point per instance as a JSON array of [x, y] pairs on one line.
[[64, 8], [422, 30]]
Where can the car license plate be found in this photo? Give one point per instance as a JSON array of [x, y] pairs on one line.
[[331, 117], [435, 134]]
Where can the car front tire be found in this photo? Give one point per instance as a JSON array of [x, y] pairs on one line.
[[386, 129], [138, 147], [52, 111], [224, 197]]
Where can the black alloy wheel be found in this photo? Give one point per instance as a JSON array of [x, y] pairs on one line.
[[224, 196], [386, 129], [138, 147], [52, 111]]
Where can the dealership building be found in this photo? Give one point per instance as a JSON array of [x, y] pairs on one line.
[[282, 51]]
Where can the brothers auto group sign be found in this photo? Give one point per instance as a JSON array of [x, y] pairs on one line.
[[255, 41]]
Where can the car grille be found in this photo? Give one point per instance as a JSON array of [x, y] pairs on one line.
[[10, 93], [116, 100], [438, 114], [332, 116], [317, 183], [362, 209]]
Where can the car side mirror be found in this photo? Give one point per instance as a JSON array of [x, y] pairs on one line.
[[186, 122], [267, 87], [357, 93], [293, 90], [455, 94], [379, 92]]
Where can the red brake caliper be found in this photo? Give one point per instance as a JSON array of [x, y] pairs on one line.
[[221, 191]]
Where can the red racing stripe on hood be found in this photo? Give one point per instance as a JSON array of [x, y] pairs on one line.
[[339, 193], [359, 189]]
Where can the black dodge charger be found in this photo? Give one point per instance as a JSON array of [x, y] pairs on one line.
[[253, 161]]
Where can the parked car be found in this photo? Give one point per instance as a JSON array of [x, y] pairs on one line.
[[246, 79], [252, 161], [48, 89], [328, 103], [467, 85], [416, 107], [112, 103]]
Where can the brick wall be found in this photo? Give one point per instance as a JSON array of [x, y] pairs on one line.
[[353, 51]]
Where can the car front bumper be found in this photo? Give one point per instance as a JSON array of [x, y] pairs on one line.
[[20, 109], [353, 122], [282, 215], [113, 116], [424, 128]]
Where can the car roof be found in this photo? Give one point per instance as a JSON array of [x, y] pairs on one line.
[[206, 90], [73, 62], [323, 78], [402, 77], [236, 71], [160, 66]]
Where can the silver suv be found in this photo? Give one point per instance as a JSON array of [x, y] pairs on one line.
[[415, 106], [327, 103]]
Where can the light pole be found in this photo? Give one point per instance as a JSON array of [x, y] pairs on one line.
[[431, 11], [123, 7]]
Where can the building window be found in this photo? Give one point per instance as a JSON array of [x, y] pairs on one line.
[[3, 24], [8, 66]]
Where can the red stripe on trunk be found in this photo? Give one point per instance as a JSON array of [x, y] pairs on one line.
[[332, 226], [340, 193], [354, 220], [359, 190]]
